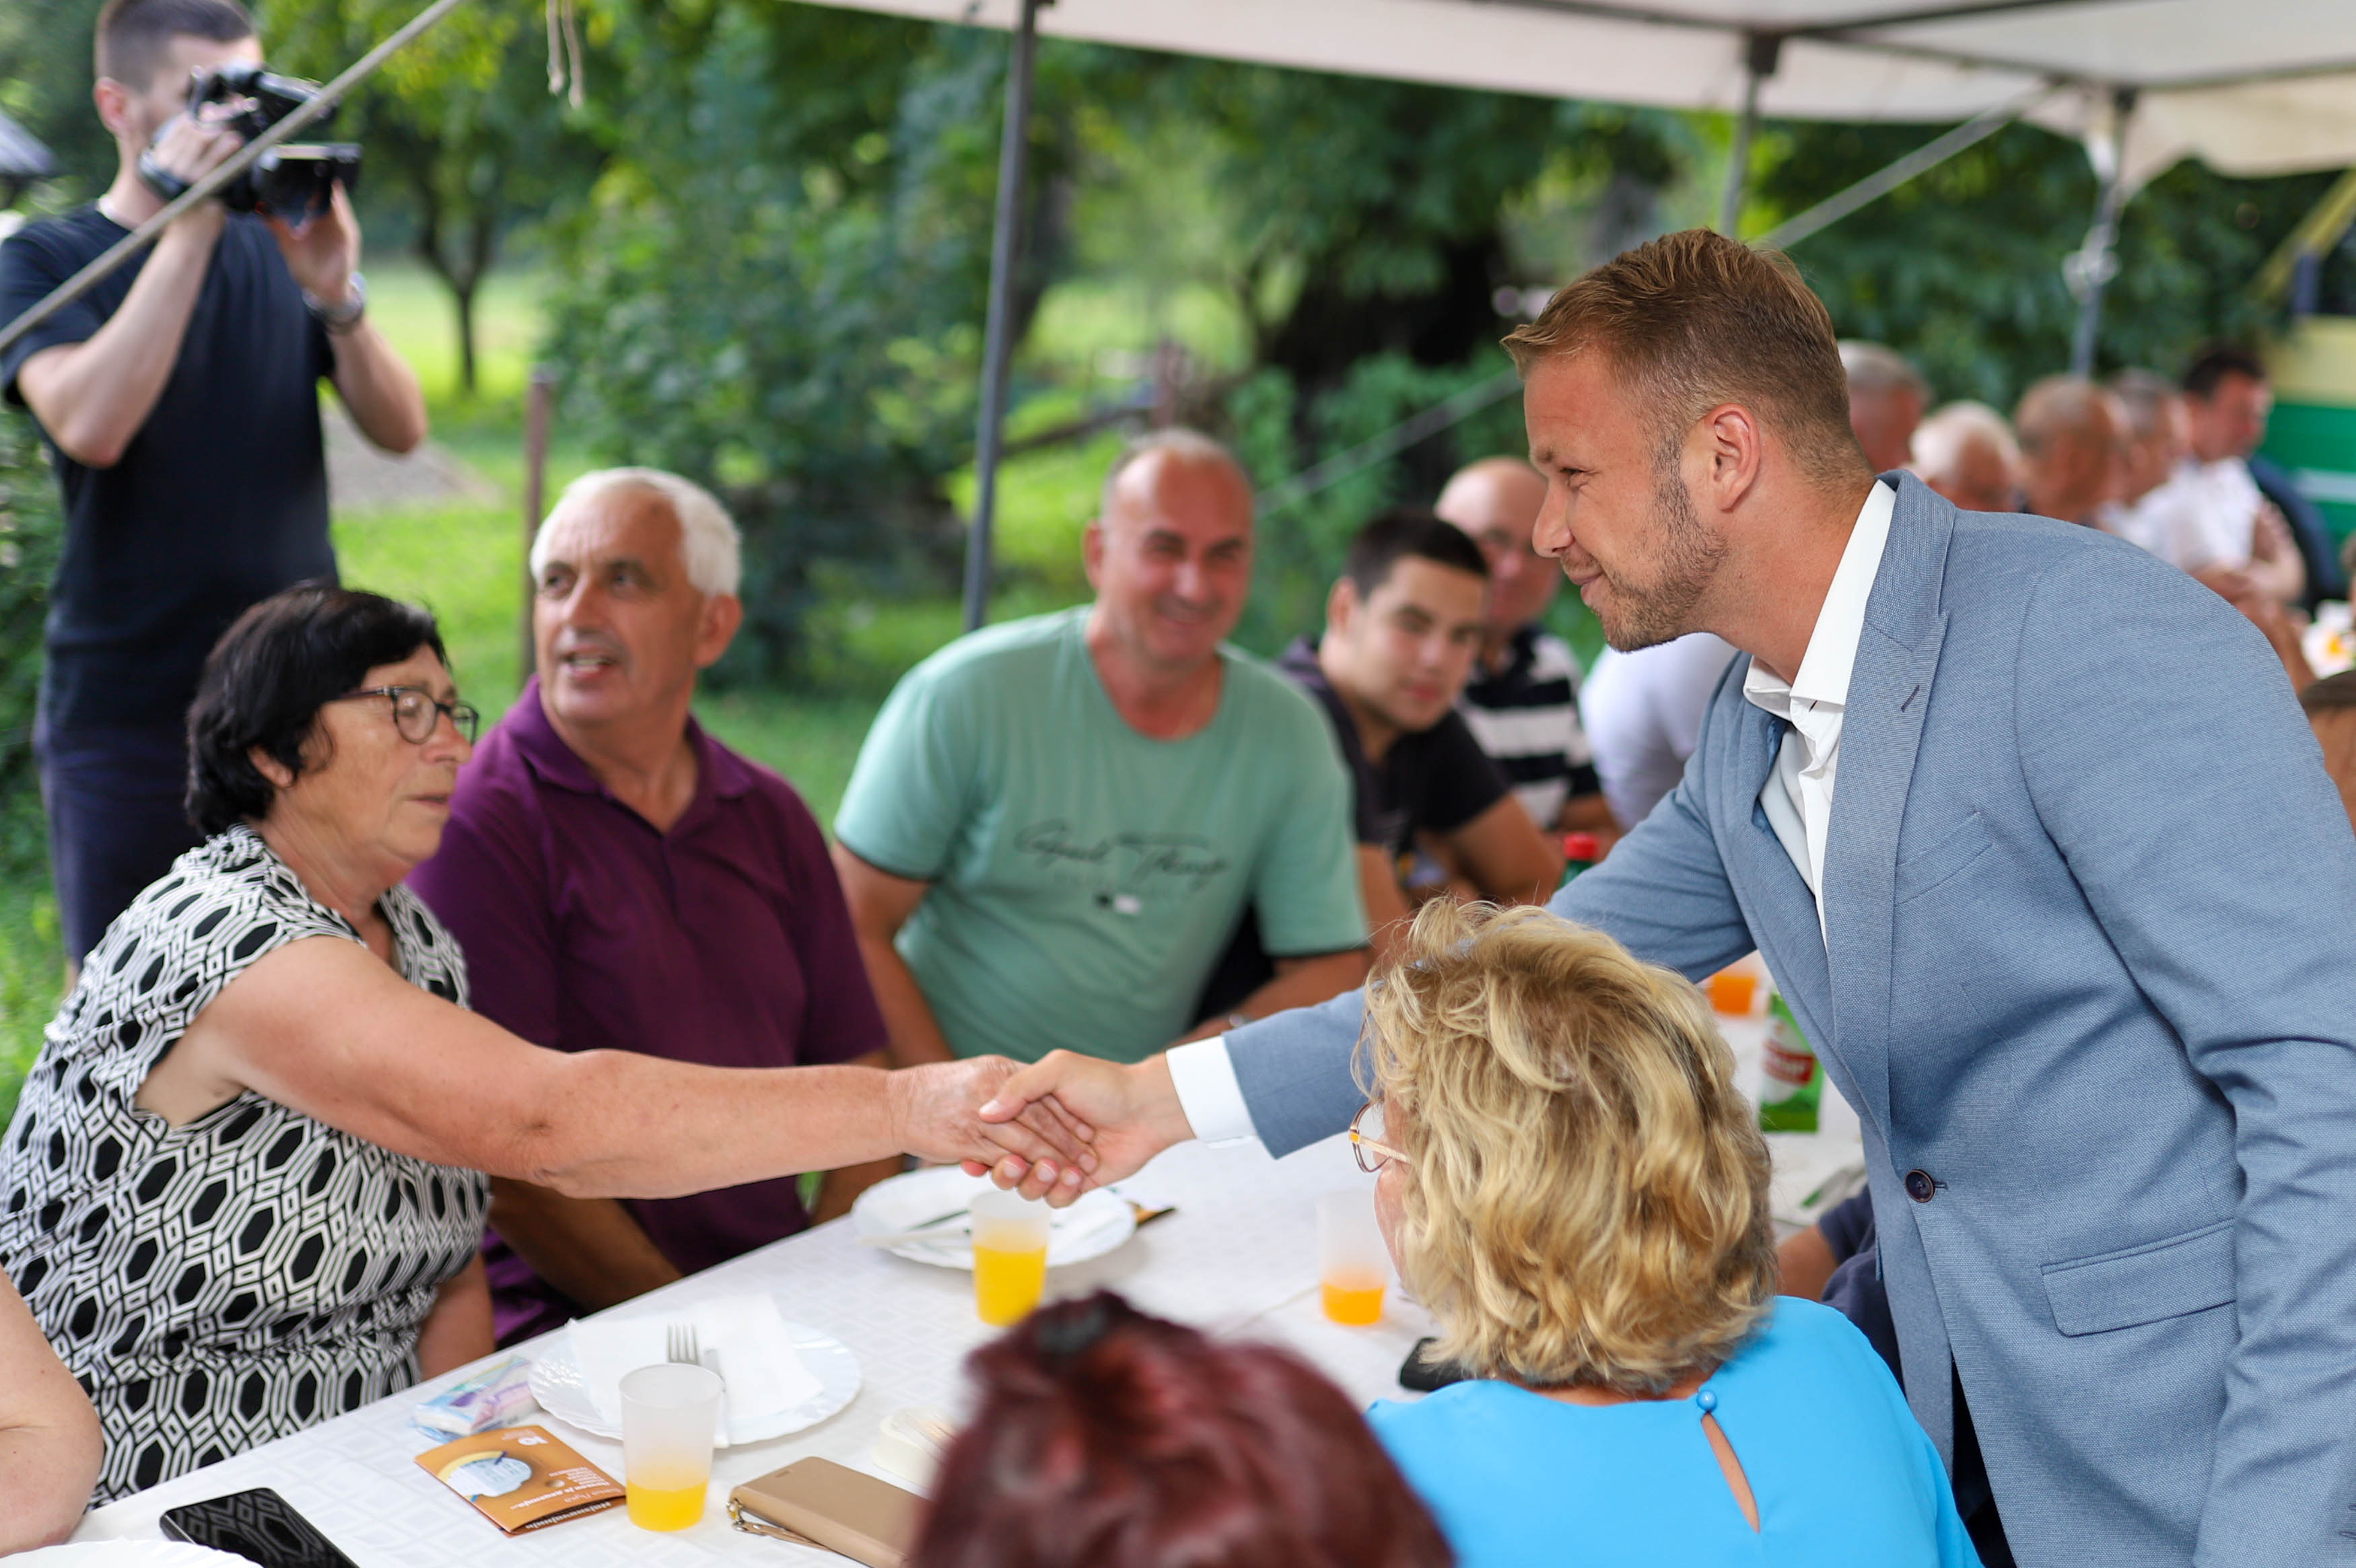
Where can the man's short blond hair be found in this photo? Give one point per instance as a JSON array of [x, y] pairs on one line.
[[1587, 1201], [1693, 320]]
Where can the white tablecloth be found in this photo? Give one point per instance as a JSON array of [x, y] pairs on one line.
[[1238, 1257]]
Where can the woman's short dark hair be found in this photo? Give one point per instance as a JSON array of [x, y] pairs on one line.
[[1104, 1438], [266, 680]]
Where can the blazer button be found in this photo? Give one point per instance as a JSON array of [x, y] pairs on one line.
[[1920, 1187]]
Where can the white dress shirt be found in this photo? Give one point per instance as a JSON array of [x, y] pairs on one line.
[[2205, 515], [1797, 795]]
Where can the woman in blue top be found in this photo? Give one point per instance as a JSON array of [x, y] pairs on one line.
[[1571, 1183]]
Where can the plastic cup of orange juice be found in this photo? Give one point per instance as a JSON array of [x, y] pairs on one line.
[[1353, 1264], [1010, 1256], [1731, 991], [668, 1414]]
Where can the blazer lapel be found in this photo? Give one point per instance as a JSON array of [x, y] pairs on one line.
[[1889, 692]]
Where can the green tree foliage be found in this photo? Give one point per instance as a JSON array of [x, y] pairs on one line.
[[1961, 266], [45, 81], [777, 288], [460, 122], [31, 530]]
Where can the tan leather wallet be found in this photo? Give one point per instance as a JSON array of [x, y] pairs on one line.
[[817, 1502]]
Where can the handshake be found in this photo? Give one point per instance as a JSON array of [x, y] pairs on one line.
[[1051, 1130]]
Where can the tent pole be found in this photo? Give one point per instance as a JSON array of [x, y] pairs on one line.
[[2090, 268], [1005, 248], [1760, 53]]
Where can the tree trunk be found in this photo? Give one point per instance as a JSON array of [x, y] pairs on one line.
[[462, 295]]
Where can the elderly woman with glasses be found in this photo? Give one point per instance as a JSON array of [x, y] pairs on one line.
[[245, 1185], [1570, 1182]]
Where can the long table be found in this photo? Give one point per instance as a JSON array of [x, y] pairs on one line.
[[1238, 1256]]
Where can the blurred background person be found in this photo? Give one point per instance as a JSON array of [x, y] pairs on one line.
[[2070, 432], [621, 881], [2331, 706], [1966, 453], [179, 398], [1103, 1439], [1643, 711], [1403, 626], [2209, 516], [1522, 701], [2154, 442], [49, 1442], [1057, 826], [1886, 399], [247, 1175], [1572, 1184]]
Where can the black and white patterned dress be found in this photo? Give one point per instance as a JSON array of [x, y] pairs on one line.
[[217, 1285]]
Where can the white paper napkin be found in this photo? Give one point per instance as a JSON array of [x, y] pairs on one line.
[[764, 1375]]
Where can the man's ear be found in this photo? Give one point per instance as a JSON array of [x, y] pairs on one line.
[[113, 102], [716, 627], [1092, 552], [1342, 606], [1732, 450]]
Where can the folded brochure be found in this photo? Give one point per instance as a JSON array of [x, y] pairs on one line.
[[522, 1478]]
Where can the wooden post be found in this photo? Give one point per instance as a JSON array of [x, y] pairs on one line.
[[539, 400]]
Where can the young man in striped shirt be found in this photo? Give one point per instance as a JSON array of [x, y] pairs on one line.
[[1522, 702]]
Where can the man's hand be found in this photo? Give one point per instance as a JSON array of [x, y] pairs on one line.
[[935, 1115], [1127, 1113], [188, 150], [326, 252]]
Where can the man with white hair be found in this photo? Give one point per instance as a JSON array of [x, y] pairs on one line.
[[621, 881], [1966, 453]]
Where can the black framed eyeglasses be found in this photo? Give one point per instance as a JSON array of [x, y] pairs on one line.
[[1366, 1131], [415, 713]]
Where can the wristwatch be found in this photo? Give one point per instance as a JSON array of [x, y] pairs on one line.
[[341, 318]]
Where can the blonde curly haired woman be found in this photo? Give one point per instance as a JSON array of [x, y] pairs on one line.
[[1570, 1181]]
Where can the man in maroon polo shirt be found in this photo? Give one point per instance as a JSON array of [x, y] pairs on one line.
[[621, 881]]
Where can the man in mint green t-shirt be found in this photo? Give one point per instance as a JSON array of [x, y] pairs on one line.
[[1057, 824]]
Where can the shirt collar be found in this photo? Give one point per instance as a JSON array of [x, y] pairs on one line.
[[719, 773], [1823, 677]]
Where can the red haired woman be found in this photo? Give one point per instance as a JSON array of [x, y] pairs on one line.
[[1104, 1438]]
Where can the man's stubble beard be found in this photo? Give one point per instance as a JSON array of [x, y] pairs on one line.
[[1691, 554]]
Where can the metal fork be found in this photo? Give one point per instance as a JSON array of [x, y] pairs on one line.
[[679, 1341]]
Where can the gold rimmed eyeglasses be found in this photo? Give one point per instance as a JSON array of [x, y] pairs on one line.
[[1365, 1145]]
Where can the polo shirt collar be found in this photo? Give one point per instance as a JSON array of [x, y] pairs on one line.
[[720, 774], [1824, 673]]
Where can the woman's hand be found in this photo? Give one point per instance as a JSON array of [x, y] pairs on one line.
[[935, 1115]]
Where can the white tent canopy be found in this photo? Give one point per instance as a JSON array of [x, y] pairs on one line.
[[2254, 87]]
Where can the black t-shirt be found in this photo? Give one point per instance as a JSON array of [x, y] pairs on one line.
[[1435, 779], [220, 499]]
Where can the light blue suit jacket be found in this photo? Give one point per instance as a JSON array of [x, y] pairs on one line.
[[2091, 967]]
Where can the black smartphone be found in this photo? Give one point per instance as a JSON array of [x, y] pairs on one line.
[[1428, 1376], [259, 1526]]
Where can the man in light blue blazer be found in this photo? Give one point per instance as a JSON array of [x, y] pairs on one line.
[[2028, 827]]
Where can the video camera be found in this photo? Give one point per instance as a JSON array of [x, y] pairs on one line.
[[294, 181]]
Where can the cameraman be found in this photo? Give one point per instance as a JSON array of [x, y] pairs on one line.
[[180, 400]]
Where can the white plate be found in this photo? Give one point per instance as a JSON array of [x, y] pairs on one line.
[[557, 1383], [128, 1554], [1093, 1225]]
